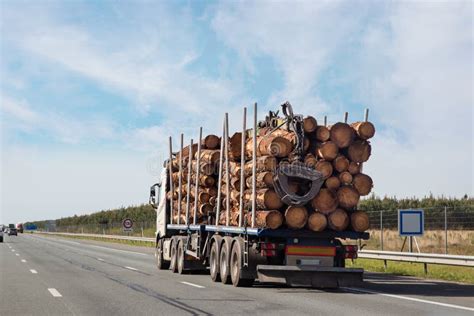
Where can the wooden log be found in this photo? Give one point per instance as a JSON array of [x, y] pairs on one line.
[[309, 124], [333, 183], [271, 145], [272, 219], [354, 168], [310, 161], [362, 183], [235, 146], [206, 208], [360, 221], [348, 197], [205, 168], [322, 133], [342, 134], [264, 163], [325, 167], [296, 216], [186, 151], [207, 181], [345, 178], [211, 190], [325, 201], [364, 130], [209, 156], [340, 163], [211, 142], [359, 151], [267, 199], [317, 221], [327, 150], [264, 180], [338, 220]]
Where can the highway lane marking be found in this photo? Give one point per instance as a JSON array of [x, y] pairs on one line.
[[33, 271], [126, 251], [409, 298], [54, 292], [13, 250], [17, 254], [131, 268], [23, 260], [192, 284], [100, 259]]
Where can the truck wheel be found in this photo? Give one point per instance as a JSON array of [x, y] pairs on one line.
[[173, 265], [224, 260], [214, 261], [160, 261], [180, 257], [236, 266]]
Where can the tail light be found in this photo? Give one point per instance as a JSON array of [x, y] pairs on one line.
[[350, 251], [268, 249]]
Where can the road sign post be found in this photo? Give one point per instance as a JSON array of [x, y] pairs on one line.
[[127, 225], [411, 223]]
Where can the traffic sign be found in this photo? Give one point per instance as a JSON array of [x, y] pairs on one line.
[[127, 225], [411, 222]]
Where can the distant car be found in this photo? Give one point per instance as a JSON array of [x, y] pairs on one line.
[[12, 231], [1, 235]]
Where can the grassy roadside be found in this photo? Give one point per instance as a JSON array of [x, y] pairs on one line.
[[117, 241], [435, 271]]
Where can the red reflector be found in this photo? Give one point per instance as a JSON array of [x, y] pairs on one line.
[[351, 248], [350, 255], [268, 253], [268, 245]]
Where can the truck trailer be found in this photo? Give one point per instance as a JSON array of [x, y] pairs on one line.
[[243, 252]]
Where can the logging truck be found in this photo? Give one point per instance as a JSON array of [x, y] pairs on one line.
[[237, 206]]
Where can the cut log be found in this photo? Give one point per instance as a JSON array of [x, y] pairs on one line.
[[322, 133], [309, 124], [206, 181], [296, 217], [310, 161], [354, 168], [264, 163], [325, 167], [186, 151], [211, 190], [325, 201], [360, 221], [209, 156], [317, 222], [327, 150], [270, 145], [235, 146], [340, 163], [348, 197], [345, 178], [333, 183], [359, 151], [338, 220], [206, 208], [362, 183], [264, 180], [211, 142], [364, 130], [266, 219], [205, 169], [342, 134], [267, 199]]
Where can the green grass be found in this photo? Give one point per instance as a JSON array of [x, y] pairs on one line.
[[435, 271]]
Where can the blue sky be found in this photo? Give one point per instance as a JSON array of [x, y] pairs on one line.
[[90, 90]]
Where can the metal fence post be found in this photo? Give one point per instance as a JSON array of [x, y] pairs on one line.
[[445, 231], [381, 229], [142, 231]]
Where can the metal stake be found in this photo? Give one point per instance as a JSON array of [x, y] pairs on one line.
[[325, 121], [198, 170], [227, 175], [445, 230], [242, 167], [366, 115], [171, 179], [381, 230], [221, 154], [346, 115], [188, 185], [179, 180], [254, 166]]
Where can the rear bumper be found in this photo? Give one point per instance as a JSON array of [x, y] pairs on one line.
[[314, 276]]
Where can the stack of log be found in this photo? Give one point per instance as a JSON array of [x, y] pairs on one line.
[[337, 151]]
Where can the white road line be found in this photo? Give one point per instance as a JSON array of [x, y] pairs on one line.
[[195, 285], [13, 250], [112, 249], [17, 254], [23, 260], [54, 292], [408, 298], [33, 271], [130, 268], [100, 259]]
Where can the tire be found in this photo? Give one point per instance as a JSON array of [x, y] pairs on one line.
[[1, 239], [236, 265], [180, 257], [161, 263], [214, 261], [224, 260], [173, 261]]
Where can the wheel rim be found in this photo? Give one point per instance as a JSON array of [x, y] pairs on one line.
[[234, 268], [173, 256], [224, 262], [213, 261]]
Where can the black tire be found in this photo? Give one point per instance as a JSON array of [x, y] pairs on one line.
[[180, 257], [161, 263], [173, 261], [224, 260], [1, 239], [214, 262], [236, 265]]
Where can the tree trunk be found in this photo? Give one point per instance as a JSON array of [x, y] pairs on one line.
[[327, 150], [362, 183], [266, 219], [267, 199], [211, 142], [209, 156], [345, 178], [296, 217], [360, 221], [359, 151], [205, 169], [310, 161], [354, 168], [342, 134], [264, 180], [364, 130], [271, 145], [338, 220], [325, 201], [317, 222], [186, 151], [325, 167], [348, 197], [309, 124], [322, 133], [264, 163], [341, 163], [333, 183], [235, 146]]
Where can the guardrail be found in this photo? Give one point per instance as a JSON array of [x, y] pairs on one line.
[[425, 258]]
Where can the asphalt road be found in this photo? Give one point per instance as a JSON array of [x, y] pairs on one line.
[[42, 275]]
